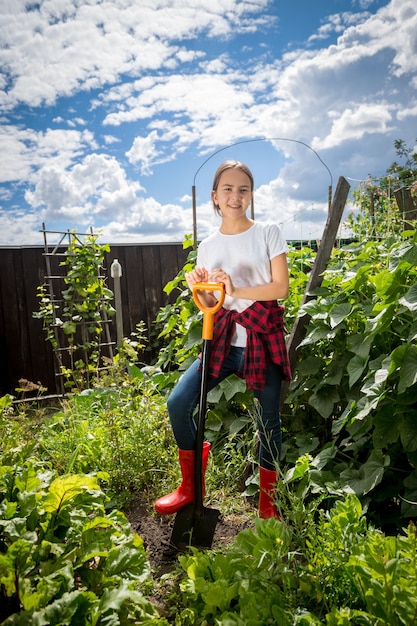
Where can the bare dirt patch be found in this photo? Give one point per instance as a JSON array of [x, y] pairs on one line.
[[155, 530]]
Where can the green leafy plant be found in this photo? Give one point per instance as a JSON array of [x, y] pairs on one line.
[[355, 387], [339, 572], [178, 325], [126, 435], [74, 323], [63, 558]]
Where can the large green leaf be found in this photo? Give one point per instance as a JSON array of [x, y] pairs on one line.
[[339, 314], [73, 607], [26, 480], [405, 252], [369, 475], [227, 388], [110, 611], [238, 424], [302, 465], [324, 400], [385, 281], [63, 490], [412, 335], [363, 408], [128, 560], [386, 429], [193, 336], [309, 365], [47, 588], [5, 401], [317, 334], [324, 456], [410, 298], [408, 370], [375, 386], [214, 420], [408, 432], [335, 370], [404, 360], [355, 368], [359, 344], [314, 308]]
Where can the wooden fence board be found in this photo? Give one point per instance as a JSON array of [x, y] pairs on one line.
[[15, 350], [39, 354], [151, 268], [132, 291]]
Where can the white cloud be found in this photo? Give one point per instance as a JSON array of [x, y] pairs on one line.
[[28, 150], [148, 220], [110, 139], [199, 97], [143, 152], [20, 228], [95, 188], [66, 46], [218, 107], [355, 124], [340, 93], [337, 23], [410, 111]]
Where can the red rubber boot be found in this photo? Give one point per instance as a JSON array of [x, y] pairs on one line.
[[173, 502], [267, 483]]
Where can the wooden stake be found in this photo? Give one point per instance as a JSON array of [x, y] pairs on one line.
[[316, 277]]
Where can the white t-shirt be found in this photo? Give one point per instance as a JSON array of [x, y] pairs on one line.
[[247, 258]]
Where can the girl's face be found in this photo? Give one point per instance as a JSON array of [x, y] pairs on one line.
[[233, 194]]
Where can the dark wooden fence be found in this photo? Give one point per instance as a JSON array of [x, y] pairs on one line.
[[24, 352]]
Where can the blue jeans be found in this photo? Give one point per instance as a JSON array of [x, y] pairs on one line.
[[185, 396]]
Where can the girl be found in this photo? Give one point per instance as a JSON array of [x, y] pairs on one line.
[[250, 259]]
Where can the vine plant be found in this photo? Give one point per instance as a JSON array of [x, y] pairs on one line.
[[74, 323]]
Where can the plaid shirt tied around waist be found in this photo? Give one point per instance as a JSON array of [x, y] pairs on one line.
[[264, 323]]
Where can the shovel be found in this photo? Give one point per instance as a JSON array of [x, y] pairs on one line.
[[194, 525]]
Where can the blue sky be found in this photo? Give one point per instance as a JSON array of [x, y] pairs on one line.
[[111, 109]]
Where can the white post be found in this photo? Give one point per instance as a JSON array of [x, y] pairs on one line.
[[116, 273]]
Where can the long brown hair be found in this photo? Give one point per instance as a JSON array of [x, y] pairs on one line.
[[229, 165]]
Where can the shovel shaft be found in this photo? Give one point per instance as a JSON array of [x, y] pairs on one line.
[[208, 323], [202, 407]]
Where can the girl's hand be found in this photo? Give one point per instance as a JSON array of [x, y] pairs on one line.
[[219, 276], [197, 275], [201, 275]]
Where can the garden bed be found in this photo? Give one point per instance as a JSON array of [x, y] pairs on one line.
[[155, 530]]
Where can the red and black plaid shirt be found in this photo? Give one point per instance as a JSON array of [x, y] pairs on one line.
[[264, 323]]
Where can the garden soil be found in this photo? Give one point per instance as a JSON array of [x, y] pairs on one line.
[[155, 530]]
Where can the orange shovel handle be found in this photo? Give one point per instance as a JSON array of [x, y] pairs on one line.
[[209, 311]]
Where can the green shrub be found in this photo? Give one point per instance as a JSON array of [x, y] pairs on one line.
[[123, 431], [341, 572], [354, 393], [63, 559]]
